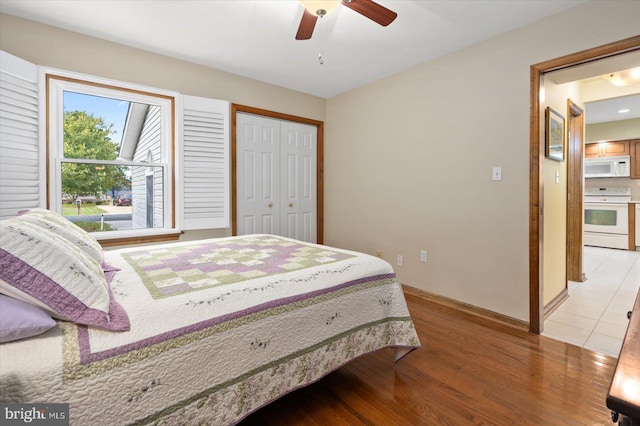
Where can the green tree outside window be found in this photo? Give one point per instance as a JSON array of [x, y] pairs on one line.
[[89, 137]]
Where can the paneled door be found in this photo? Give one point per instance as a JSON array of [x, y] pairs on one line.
[[298, 181], [276, 169], [257, 161]]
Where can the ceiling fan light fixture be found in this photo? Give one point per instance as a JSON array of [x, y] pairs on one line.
[[320, 7]]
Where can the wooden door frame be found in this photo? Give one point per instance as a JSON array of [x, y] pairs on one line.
[[575, 193], [536, 157], [236, 108]]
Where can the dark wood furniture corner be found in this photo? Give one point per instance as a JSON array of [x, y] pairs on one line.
[[624, 393]]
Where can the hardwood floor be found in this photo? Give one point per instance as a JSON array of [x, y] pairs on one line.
[[470, 370]]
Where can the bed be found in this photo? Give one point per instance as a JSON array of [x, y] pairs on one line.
[[201, 332]]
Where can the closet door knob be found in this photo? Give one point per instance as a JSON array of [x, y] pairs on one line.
[[290, 204], [270, 205]]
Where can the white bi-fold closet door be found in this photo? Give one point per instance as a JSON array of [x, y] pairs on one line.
[[276, 172]]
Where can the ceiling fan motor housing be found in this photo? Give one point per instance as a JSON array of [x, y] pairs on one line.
[[315, 9]]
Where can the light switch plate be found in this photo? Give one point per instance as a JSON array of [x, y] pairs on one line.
[[497, 173]]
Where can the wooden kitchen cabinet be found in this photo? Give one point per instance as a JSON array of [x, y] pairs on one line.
[[634, 151], [606, 149]]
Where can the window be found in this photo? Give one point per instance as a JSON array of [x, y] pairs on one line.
[[161, 162], [111, 157]]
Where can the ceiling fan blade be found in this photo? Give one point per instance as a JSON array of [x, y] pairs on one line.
[[307, 24], [372, 10]]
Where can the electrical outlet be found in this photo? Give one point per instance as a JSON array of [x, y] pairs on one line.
[[400, 260], [423, 256]]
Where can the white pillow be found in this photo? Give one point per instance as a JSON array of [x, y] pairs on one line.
[[67, 229]]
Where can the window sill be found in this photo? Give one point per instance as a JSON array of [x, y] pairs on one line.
[[142, 238]]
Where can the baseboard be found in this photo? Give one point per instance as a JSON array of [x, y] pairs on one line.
[[467, 308], [557, 301]]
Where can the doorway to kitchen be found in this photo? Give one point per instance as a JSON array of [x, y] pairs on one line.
[[537, 155]]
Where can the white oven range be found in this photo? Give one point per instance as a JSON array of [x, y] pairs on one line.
[[606, 217]]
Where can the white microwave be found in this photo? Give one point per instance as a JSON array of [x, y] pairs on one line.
[[601, 167]]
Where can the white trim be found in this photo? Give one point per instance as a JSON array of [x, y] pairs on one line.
[[42, 137], [178, 163]]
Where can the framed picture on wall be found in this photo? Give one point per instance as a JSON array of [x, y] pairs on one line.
[[554, 133]]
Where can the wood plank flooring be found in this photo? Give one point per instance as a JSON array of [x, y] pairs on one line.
[[470, 370]]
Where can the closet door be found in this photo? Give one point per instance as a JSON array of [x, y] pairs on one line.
[[258, 178], [298, 181], [276, 169]]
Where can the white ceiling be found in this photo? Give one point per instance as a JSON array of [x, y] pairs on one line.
[[255, 38]]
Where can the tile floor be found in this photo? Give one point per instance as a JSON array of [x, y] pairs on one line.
[[595, 314]]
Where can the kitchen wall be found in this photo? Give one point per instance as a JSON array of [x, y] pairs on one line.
[[66, 50], [409, 160], [613, 130]]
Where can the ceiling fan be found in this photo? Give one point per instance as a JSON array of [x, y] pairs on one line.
[[319, 8]]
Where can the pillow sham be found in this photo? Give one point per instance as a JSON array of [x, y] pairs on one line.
[[19, 320], [65, 228], [41, 267]]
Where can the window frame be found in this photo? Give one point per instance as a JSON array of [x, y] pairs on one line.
[[56, 82]]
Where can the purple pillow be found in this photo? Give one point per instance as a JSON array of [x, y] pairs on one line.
[[19, 320]]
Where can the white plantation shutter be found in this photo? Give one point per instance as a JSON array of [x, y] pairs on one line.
[[205, 163], [20, 173]]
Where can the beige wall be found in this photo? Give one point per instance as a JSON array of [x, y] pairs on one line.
[[408, 160], [66, 50]]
